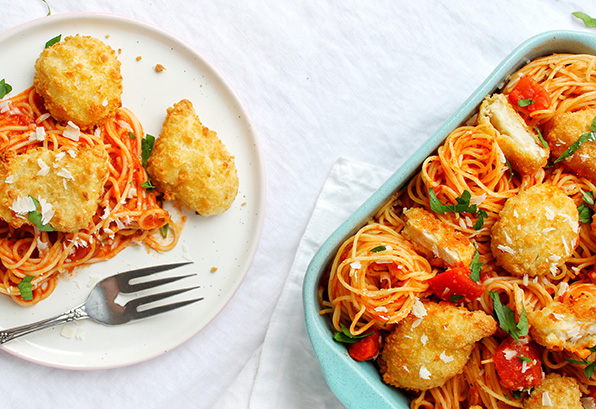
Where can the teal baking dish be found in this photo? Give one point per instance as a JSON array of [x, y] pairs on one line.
[[356, 384]]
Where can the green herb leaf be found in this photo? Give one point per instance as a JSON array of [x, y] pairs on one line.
[[510, 169], [25, 288], [516, 394], [475, 265], [506, 318], [525, 102], [146, 148], [53, 41], [586, 137], [34, 217], [378, 249], [48, 6], [523, 358], [148, 185], [539, 134], [164, 230], [4, 88], [586, 213], [455, 298], [482, 214], [588, 21], [131, 135], [346, 336]]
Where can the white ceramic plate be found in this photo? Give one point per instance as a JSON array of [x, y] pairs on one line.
[[227, 242]]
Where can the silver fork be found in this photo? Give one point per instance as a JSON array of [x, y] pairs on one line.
[[101, 306]]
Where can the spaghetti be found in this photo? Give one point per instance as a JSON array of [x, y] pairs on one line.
[[128, 211], [385, 285]]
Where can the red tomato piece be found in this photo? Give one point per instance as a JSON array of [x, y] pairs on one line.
[[454, 284], [518, 364], [367, 348], [528, 89]]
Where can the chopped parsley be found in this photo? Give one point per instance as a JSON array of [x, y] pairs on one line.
[[585, 211], [588, 21], [525, 102], [146, 148], [463, 206], [455, 298], [35, 217], [585, 137], [4, 88], [475, 265], [506, 318], [539, 134], [346, 336], [523, 359], [590, 366], [164, 230], [148, 185], [25, 288], [53, 41]]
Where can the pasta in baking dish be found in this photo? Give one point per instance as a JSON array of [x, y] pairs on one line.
[[475, 285]]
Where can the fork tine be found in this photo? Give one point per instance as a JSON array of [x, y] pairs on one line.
[[132, 288], [132, 305], [164, 308], [124, 278]]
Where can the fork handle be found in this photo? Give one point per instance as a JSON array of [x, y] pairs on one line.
[[69, 316]]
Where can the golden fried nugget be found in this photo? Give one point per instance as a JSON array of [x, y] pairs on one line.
[[79, 80], [520, 144], [565, 130], [537, 231], [435, 238], [425, 351], [190, 164], [556, 391], [567, 326], [69, 183]]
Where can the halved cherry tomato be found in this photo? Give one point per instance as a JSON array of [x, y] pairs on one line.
[[518, 364], [454, 284], [367, 348], [530, 91]]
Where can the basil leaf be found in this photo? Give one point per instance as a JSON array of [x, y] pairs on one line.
[[586, 137], [148, 185], [146, 148], [539, 134], [589, 370], [510, 169], [523, 358], [34, 217], [346, 336], [164, 230], [4, 88], [25, 288], [525, 102], [455, 298], [462, 206], [506, 318], [378, 249], [475, 265], [482, 214], [53, 41], [131, 135], [588, 21]]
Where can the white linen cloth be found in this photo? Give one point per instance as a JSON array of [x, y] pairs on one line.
[[367, 80], [286, 356]]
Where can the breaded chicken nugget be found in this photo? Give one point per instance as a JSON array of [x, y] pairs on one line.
[[435, 238], [570, 326], [565, 130], [67, 184], [189, 163], [423, 353], [537, 231], [520, 144], [79, 80], [556, 391]]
